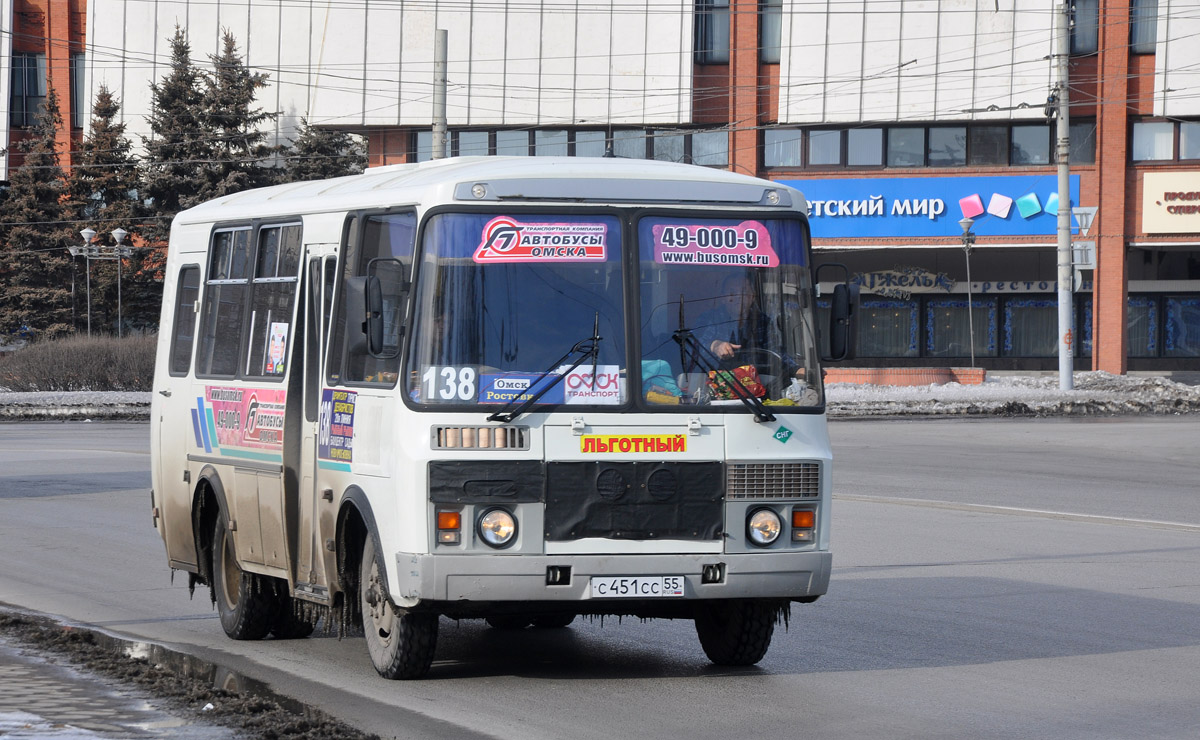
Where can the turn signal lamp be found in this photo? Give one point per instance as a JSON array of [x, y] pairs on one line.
[[449, 527], [803, 523]]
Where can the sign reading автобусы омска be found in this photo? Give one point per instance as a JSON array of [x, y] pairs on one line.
[[1015, 205]]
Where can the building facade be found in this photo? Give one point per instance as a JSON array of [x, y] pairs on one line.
[[896, 118]]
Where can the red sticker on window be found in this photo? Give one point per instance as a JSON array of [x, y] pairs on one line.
[[507, 240], [747, 243]]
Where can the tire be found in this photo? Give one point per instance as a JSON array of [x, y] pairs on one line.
[[287, 624], [508, 621], [736, 632], [246, 602], [400, 643], [553, 621]]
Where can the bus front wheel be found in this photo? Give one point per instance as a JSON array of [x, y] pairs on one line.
[[735, 632], [400, 643], [246, 602]]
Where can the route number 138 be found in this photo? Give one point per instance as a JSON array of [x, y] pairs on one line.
[[449, 383]]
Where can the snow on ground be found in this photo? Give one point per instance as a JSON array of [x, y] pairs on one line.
[[1095, 394]]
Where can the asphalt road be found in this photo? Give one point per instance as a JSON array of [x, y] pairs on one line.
[[992, 579]]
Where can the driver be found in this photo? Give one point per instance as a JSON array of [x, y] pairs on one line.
[[737, 325]]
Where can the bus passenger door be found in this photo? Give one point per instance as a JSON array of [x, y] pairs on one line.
[[318, 511]]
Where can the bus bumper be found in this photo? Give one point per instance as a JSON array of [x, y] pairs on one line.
[[527, 578]]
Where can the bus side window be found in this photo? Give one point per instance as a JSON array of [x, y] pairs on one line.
[[225, 295], [187, 292], [273, 301], [386, 240]]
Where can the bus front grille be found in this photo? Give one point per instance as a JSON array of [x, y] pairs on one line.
[[772, 480]]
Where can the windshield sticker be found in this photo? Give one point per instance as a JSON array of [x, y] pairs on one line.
[[239, 417], [747, 243], [336, 437], [519, 387], [507, 240], [608, 388], [654, 444]]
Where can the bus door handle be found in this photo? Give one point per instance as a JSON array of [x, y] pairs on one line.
[[165, 392]]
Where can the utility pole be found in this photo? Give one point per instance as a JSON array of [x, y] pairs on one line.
[[439, 93], [1066, 335]]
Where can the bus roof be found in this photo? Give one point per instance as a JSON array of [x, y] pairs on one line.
[[503, 179]]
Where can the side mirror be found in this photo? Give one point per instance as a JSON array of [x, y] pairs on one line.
[[843, 329], [356, 315], [374, 326]]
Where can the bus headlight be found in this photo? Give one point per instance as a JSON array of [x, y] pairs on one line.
[[763, 527], [497, 527]]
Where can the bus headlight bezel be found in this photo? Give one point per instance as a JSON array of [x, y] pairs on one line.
[[497, 527], [763, 527]]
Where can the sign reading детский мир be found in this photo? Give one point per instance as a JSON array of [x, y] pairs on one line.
[[1014, 205]]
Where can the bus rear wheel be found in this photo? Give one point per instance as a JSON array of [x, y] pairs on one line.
[[400, 643], [735, 632], [246, 602]]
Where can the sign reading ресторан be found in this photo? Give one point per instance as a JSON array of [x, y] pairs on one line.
[[1171, 203]]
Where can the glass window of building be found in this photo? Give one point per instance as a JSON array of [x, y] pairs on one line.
[[906, 147], [630, 144], [1031, 327], [947, 146], [669, 146], [770, 30], [1030, 145], [864, 147], [1085, 26], [888, 327], [424, 144], [550, 143], [79, 110], [589, 143], [824, 147], [712, 31], [710, 148], [472, 143], [989, 145], [27, 95], [948, 331], [1153, 140], [1143, 26], [1189, 140], [1181, 327], [781, 147], [512, 143], [1083, 142], [1141, 322]]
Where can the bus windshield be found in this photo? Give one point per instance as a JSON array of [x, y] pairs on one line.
[[726, 310], [501, 299]]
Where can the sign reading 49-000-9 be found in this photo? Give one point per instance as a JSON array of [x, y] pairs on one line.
[[1014, 205]]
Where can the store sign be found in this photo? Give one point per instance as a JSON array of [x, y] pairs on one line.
[[902, 282], [1171, 203], [908, 207]]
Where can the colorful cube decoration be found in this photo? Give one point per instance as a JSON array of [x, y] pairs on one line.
[[999, 205], [1028, 205], [1052, 204], [971, 206]]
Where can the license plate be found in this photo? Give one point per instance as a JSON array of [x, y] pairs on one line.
[[636, 587]]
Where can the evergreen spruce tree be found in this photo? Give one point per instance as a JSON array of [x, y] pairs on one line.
[[35, 265], [241, 158], [318, 153], [180, 142], [103, 194]]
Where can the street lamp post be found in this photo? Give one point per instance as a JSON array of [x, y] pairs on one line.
[[968, 242], [90, 252]]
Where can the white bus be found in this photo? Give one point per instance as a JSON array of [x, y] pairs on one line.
[[513, 389]]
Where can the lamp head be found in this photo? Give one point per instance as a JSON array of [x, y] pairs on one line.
[[119, 234], [966, 225], [88, 235]]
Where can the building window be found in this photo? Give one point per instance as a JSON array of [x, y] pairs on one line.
[[824, 147], [989, 145], [1143, 26], [423, 151], [28, 82], [550, 143], [1141, 323], [1031, 327], [712, 31], [948, 331], [864, 147], [1181, 326], [1189, 140], [888, 328], [669, 146], [906, 147], [589, 143], [1153, 140], [473, 143], [710, 148], [629, 143], [770, 30], [1085, 26], [1030, 145], [781, 147], [947, 146], [512, 143], [78, 100], [1083, 142]]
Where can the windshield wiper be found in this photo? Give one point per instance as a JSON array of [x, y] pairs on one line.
[[585, 348], [708, 362]]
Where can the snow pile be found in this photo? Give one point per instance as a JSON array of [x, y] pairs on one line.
[[74, 405], [1095, 393]]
